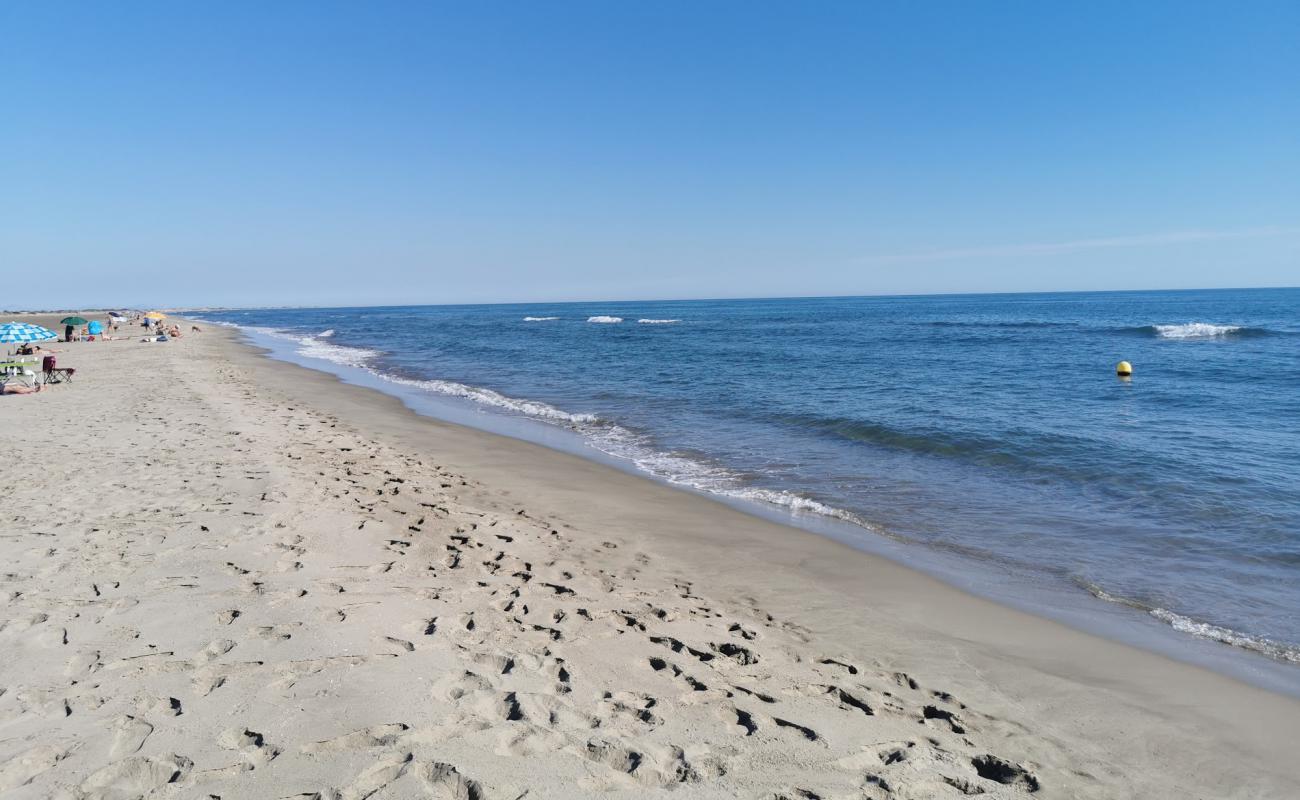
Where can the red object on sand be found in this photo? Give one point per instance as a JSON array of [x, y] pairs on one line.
[[52, 372]]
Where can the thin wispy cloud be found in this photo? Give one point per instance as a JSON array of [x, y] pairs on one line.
[[1078, 245]]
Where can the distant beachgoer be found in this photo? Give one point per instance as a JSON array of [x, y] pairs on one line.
[[17, 388]]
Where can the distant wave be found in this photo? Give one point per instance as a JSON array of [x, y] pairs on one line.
[[1205, 630], [657, 321], [539, 319], [1199, 330], [325, 334], [605, 320]]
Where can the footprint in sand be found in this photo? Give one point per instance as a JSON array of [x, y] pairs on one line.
[[129, 734], [249, 744], [365, 738], [134, 777]]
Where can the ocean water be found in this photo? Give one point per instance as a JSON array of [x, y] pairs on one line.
[[989, 428]]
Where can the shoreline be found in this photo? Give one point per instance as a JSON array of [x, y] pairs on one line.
[[301, 481], [921, 600], [1079, 606]]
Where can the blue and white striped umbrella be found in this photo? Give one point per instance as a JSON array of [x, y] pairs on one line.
[[22, 332]]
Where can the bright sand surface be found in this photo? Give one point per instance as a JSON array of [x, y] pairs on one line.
[[227, 577]]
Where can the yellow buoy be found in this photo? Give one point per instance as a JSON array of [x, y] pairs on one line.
[[1123, 369]]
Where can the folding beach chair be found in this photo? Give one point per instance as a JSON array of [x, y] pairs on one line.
[[53, 374]]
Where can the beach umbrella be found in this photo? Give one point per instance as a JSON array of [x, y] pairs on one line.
[[116, 314], [95, 327], [22, 332], [73, 321], [155, 315]]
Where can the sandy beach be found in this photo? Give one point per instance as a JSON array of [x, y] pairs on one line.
[[228, 577]]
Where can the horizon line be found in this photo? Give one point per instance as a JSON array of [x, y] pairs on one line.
[[899, 295]]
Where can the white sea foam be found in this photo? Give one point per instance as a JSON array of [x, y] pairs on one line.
[[1194, 330], [539, 319], [605, 320], [325, 334], [339, 354], [487, 397], [685, 470], [657, 321], [313, 347], [1203, 630], [1228, 636]]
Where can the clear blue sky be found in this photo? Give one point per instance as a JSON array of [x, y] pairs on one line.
[[351, 153]]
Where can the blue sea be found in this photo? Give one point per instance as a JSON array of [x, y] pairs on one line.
[[986, 436]]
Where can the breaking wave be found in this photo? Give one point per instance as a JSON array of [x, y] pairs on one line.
[[487, 397], [1205, 630], [605, 320], [684, 469], [313, 347], [325, 334], [539, 319], [657, 321], [1228, 636], [1199, 330]]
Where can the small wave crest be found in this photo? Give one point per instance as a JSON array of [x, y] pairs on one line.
[[1199, 330], [603, 320], [657, 321], [1195, 330], [704, 476], [488, 397], [339, 354], [1206, 630], [325, 334], [313, 347], [539, 319]]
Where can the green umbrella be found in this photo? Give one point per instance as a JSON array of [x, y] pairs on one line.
[[72, 321]]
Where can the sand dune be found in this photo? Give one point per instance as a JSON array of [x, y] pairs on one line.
[[234, 579]]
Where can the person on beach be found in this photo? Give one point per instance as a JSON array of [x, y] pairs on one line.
[[29, 349], [17, 388]]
